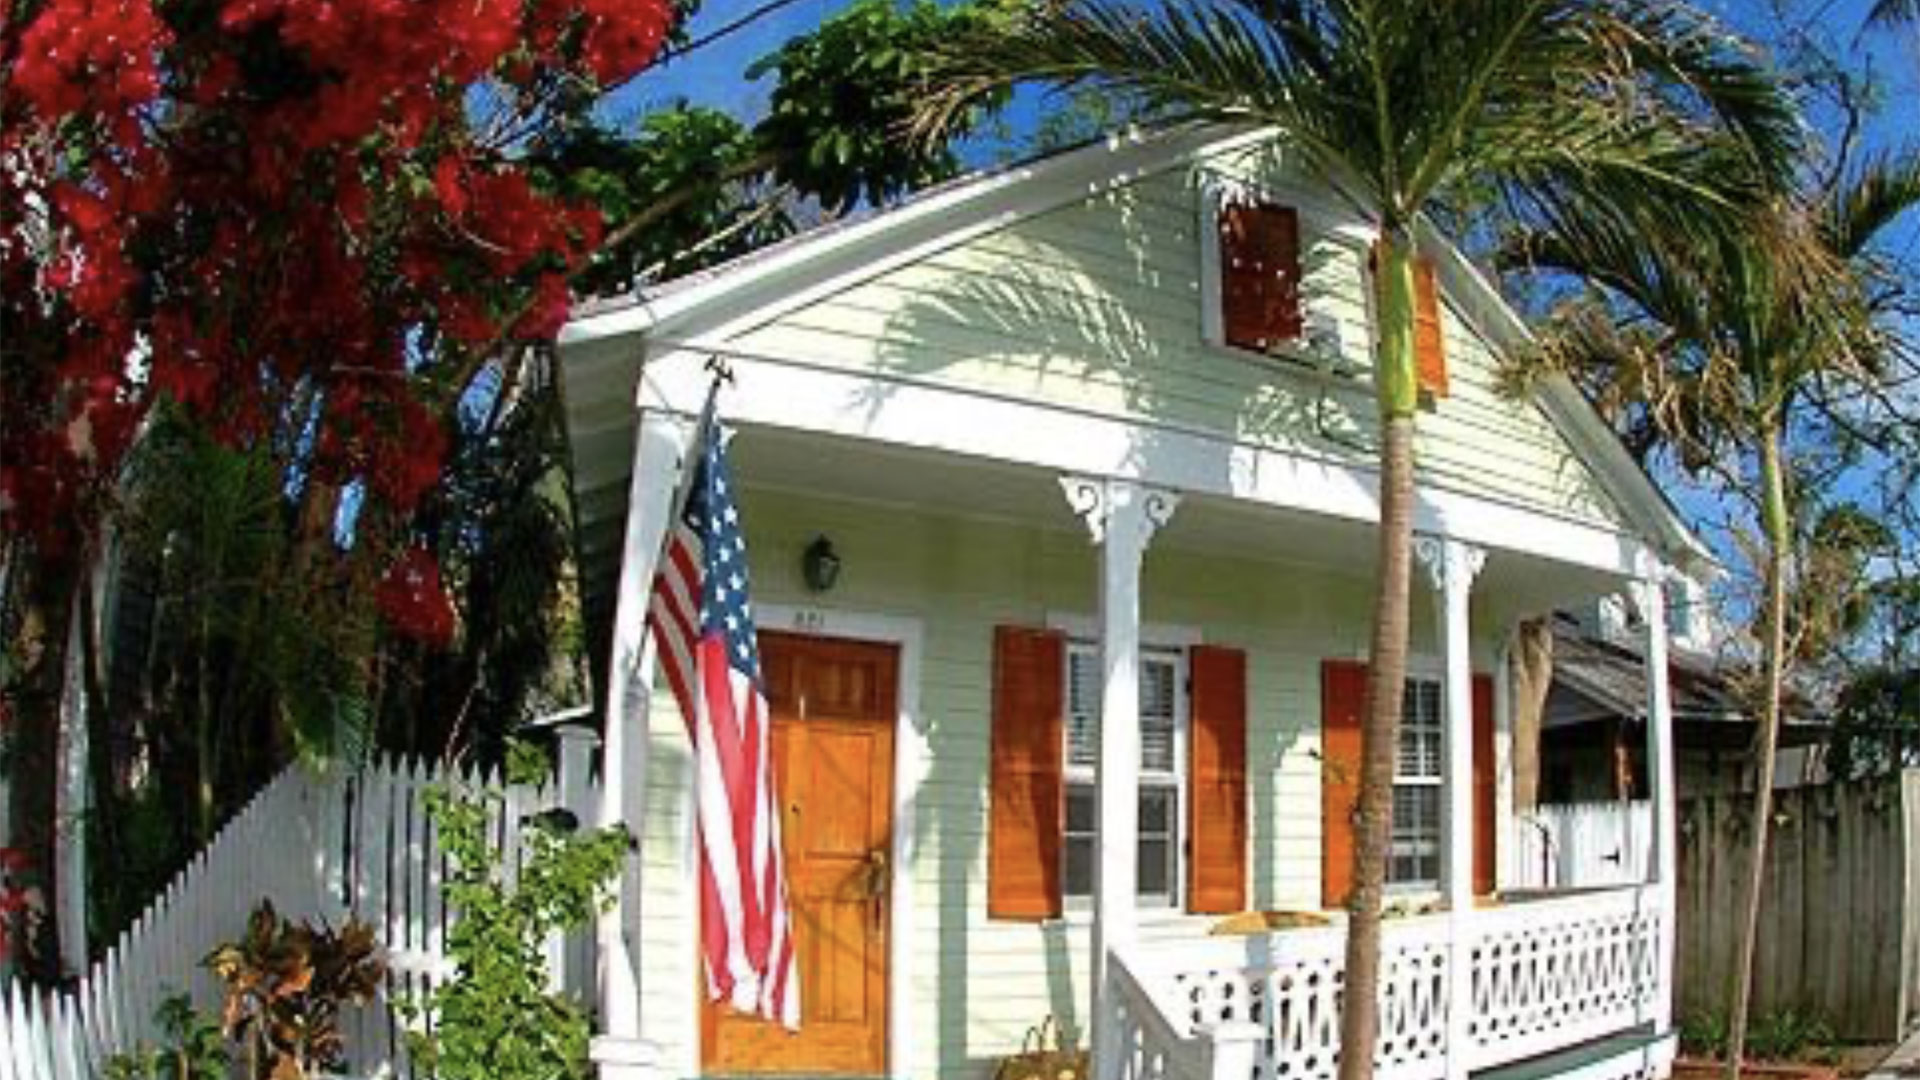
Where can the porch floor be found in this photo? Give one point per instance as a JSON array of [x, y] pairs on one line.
[[1574, 1058]]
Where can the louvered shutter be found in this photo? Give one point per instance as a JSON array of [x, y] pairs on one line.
[[1028, 796], [1429, 345], [1259, 274], [1217, 799], [1343, 694], [1484, 785]]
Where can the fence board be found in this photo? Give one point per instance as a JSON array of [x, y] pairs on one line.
[[319, 847], [1835, 909]]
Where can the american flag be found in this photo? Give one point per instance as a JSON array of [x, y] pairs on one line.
[[703, 621]]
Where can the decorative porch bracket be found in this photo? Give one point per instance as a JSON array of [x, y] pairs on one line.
[[1451, 567], [1122, 516], [660, 444], [1648, 594]]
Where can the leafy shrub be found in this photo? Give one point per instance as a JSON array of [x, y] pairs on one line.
[[286, 984], [1780, 1035], [194, 1048], [493, 1019]]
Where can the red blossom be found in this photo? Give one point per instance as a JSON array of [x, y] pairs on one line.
[[294, 131], [414, 600]]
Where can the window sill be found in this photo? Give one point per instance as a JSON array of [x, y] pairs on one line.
[[1298, 359], [1081, 915]]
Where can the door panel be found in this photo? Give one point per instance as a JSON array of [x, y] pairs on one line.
[[833, 706]]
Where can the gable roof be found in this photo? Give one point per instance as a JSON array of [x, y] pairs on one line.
[[813, 264]]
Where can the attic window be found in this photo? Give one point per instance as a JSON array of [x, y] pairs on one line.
[[1250, 270], [1259, 275]]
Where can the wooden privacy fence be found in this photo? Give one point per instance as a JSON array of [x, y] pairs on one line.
[[321, 848], [1840, 919]]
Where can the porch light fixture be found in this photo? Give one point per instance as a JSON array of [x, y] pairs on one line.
[[820, 564]]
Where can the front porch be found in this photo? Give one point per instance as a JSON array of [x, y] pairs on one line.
[[942, 550], [1571, 982]]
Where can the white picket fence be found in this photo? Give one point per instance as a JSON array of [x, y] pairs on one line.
[[1575, 845], [321, 848]]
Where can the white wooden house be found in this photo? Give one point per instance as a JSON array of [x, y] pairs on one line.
[[1070, 473]]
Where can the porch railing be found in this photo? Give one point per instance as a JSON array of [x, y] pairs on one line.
[[1547, 973]]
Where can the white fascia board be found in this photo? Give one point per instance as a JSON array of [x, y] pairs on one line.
[[1569, 410], [763, 288], [925, 415]]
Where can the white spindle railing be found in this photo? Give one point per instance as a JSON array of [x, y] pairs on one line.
[[1554, 973], [1547, 974]]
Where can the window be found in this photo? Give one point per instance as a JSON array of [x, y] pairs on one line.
[[1163, 767], [1251, 272], [1679, 609], [1414, 853]]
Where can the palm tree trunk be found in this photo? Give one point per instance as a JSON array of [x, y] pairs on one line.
[[1773, 482], [1397, 392]]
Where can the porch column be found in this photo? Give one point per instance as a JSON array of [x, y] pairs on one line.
[[1452, 566], [1122, 516], [617, 1049], [1649, 595]]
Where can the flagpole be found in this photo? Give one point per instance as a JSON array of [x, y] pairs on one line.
[[661, 458]]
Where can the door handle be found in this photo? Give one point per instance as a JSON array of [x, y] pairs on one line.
[[878, 878]]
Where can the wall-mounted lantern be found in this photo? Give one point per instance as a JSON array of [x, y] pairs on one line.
[[820, 564]]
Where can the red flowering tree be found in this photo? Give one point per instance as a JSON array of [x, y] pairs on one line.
[[305, 222]]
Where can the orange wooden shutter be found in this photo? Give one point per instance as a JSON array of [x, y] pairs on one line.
[[1429, 346], [1259, 274], [1343, 694], [1217, 801], [1484, 784], [1028, 798]]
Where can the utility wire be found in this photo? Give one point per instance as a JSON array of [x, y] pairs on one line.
[[741, 23]]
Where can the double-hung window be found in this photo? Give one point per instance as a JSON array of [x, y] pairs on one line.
[[1163, 768], [1414, 854]]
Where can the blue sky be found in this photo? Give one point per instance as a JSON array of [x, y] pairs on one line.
[[715, 76]]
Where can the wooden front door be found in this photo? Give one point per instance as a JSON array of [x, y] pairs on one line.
[[834, 709]]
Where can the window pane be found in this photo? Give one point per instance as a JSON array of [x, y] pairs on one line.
[[1079, 866], [1080, 808], [1156, 714], [1415, 846], [1156, 870], [1156, 812], [1083, 705], [1420, 731]]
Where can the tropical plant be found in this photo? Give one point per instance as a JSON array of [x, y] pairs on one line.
[[494, 1017], [1395, 106], [193, 1049], [1711, 346], [286, 984]]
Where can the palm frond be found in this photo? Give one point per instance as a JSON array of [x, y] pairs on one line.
[[1870, 198], [1888, 13]]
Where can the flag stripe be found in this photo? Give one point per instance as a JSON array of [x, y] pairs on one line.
[[703, 624]]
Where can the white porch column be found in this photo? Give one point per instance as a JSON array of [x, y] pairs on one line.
[[1122, 516], [1452, 566], [1649, 595], [659, 443]]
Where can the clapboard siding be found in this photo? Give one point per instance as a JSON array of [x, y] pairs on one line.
[[976, 983], [1096, 305]]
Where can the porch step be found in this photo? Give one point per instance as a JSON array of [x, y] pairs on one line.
[[1575, 1058]]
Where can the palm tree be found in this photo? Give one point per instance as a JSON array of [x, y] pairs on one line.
[[1710, 347], [1395, 105]]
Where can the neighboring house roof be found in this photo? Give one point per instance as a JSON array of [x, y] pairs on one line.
[[1612, 677], [813, 263]]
